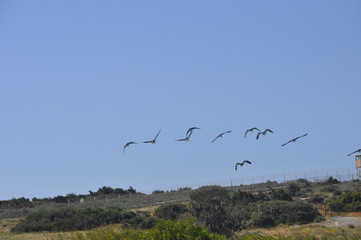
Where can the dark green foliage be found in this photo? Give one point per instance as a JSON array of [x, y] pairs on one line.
[[210, 206], [157, 191], [304, 182], [240, 197], [272, 213], [16, 203], [317, 199], [293, 189], [171, 211], [332, 180], [109, 190], [223, 211], [347, 202], [79, 219], [280, 194], [60, 199]]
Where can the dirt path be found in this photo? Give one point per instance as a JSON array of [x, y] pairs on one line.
[[346, 221]]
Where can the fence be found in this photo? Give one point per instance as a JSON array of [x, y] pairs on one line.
[[132, 201]]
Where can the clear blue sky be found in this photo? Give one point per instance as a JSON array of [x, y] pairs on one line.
[[79, 79]]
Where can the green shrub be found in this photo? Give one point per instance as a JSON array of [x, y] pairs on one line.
[[78, 219], [164, 230], [317, 199], [171, 211], [272, 213], [347, 202], [211, 207], [293, 189], [280, 194], [330, 189]]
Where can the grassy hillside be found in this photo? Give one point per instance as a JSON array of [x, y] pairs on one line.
[[246, 207]]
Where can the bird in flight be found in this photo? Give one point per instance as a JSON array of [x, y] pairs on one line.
[[154, 140], [190, 131], [251, 130], [221, 135], [263, 133], [242, 163], [127, 145], [187, 137], [359, 150], [294, 139]]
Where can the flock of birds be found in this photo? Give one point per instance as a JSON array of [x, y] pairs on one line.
[[259, 133]]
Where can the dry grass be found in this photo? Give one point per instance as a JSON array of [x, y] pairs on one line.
[[323, 230]]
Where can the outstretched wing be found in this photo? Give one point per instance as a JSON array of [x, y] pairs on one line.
[[236, 166], [127, 145], [359, 150], [258, 134], [220, 135], [294, 139], [286, 143], [190, 131], [157, 135], [245, 134], [304, 135], [251, 130], [246, 161], [182, 139], [268, 130]]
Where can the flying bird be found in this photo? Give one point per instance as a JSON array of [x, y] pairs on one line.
[[190, 130], [242, 163], [294, 139], [251, 130], [221, 135], [187, 137], [127, 145], [154, 140], [263, 133], [359, 150]]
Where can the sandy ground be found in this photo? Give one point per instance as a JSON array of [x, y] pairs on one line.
[[346, 221]]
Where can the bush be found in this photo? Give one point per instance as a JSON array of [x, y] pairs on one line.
[[157, 191], [171, 211], [210, 205], [80, 219], [293, 189], [332, 180], [317, 199], [280, 194], [347, 202], [272, 213], [164, 230], [330, 189]]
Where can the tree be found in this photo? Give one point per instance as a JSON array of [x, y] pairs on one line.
[[210, 205]]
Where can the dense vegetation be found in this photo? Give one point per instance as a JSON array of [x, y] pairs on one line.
[[190, 230], [69, 198], [79, 219], [223, 211], [347, 202], [163, 230]]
